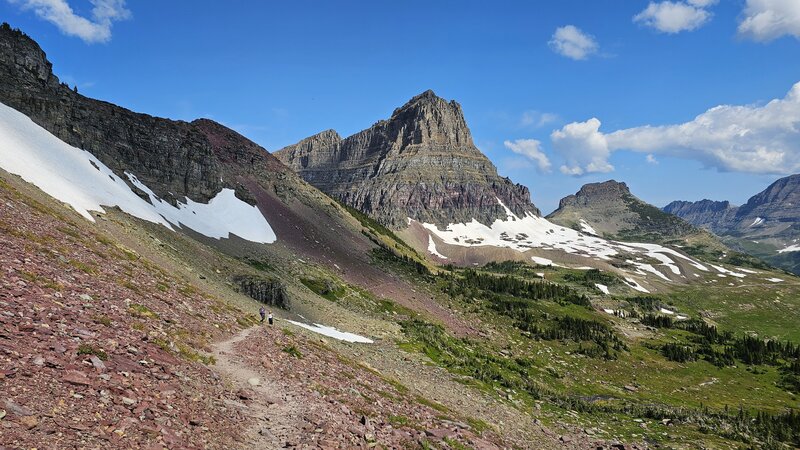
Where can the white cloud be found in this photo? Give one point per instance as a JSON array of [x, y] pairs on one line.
[[536, 119], [573, 43], [754, 139], [583, 146], [674, 17], [59, 13], [651, 159], [531, 149], [765, 20]]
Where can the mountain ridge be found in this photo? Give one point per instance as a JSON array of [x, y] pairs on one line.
[[420, 163], [766, 226]]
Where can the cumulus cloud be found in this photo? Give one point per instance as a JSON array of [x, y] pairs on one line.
[[651, 159], [583, 146], [755, 139], [674, 17], [531, 149], [765, 20], [91, 30], [573, 43]]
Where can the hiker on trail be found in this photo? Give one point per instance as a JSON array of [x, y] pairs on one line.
[[263, 313], [270, 318]]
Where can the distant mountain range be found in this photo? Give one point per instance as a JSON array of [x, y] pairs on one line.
[[767, 226]]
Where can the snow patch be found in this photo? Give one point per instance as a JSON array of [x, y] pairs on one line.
[[667, 312], [586, 228], [333, 332], [775, 280], [608, 311], [542, 261], [79, 179], [757, 222], [729, 272], [531, 231], [791, 248], [432, 248], [221, 217], [636, 286], [603, 288]]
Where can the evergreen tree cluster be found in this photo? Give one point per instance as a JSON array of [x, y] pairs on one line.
[[471, 283]]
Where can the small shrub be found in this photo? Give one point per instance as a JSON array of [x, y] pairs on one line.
[[292, 351], [86, 349]]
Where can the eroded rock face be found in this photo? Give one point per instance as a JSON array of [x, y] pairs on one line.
[[420, 163], [174, 158], [709, 214]]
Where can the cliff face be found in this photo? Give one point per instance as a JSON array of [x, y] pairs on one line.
[[709, 214], [767, 226], [420, 163], [174, 158], [611, 210]]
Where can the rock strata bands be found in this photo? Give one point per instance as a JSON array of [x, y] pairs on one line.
[[421, 163]]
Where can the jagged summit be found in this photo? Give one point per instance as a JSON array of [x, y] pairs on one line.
[[420, 163]]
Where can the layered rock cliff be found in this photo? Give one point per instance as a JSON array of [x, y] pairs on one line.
[[174, 158], [767, 226], [709, 214], [420, 163]]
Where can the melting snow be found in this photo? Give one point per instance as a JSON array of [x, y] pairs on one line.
[[757, 222], [78, 178], [542, 261], [731, 273], [636, 285], [774, 280], [530, 231], [432, 248], [586, 228], [603, 288], [791, 248], [667, 312], [333, 332], [608, 311]]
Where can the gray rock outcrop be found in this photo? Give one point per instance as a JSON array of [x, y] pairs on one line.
[[420, 163]]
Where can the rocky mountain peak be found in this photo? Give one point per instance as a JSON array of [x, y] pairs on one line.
[[23, 57], [428, 118], [419, 163], [611, 210], [610, 190]]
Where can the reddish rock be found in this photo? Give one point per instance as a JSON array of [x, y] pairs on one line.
[[76, 377]]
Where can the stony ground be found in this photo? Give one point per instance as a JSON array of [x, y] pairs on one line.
[[97, 347], [100, 348], [305, 394]]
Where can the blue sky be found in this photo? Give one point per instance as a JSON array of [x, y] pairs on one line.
[[280, 71]]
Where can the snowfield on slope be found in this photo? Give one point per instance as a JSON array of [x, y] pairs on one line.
[[79, 179], [530, 231], [333, 332]]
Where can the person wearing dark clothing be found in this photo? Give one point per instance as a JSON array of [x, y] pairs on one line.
[[262, 312]]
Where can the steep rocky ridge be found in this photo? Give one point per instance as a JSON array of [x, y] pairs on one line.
[[709, 214], [767, 226], [420, 163], [176, 159]]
